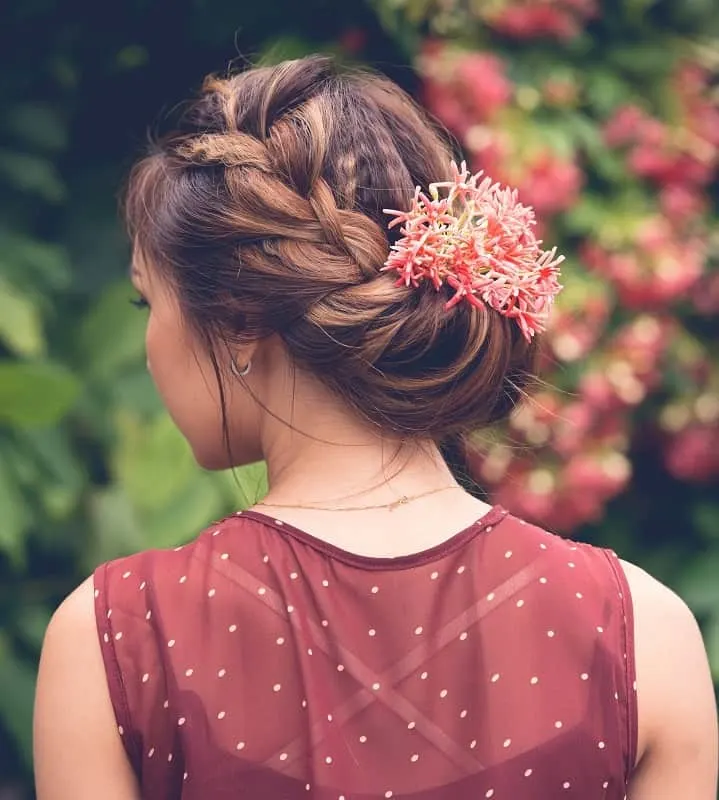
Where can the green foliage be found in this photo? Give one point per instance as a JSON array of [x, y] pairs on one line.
[[91, 466]]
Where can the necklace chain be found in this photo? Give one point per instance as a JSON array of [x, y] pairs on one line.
[[401, 501]]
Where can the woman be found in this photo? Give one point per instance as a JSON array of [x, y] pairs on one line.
[[370, 630]]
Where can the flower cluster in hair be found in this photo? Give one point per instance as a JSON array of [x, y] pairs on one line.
[[479, 240]]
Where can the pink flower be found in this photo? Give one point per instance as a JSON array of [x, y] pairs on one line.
[[479, 240], [483, 82]]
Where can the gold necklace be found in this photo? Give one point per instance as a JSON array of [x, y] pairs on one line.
[[391, 506]]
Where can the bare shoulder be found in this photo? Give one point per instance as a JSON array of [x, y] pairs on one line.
[[77, 747], [677, 710]]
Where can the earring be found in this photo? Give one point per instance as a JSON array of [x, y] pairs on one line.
[[237, 372]]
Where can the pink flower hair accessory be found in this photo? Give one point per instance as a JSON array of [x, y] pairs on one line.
[[480, 241]]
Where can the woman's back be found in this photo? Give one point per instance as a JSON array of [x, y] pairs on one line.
[[259, 661]]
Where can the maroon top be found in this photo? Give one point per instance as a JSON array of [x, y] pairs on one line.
[[260, 662]]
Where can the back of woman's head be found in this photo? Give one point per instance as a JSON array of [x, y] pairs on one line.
[[264, 210]]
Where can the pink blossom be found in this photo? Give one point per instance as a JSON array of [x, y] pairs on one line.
[[478, 240]]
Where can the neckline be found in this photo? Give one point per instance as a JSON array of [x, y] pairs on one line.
[[486, 522]]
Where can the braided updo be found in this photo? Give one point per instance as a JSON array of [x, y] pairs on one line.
[[264, 208]]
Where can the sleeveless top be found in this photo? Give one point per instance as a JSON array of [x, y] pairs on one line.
[[260, 662]]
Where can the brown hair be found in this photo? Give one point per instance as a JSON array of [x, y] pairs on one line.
[[264, 208]]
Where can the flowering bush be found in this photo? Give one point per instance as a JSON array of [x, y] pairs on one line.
[[620, 179]]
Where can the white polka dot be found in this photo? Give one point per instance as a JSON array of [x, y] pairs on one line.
[[472, 744], [304, 704], [423, 676], [434, 576], [166, 704], [579, 595], [97, 593], [461, 569], [169, 757], [463, 713], [375, 686], [372, 632], [325, 583], [363, 739], [329, 718], [151, 752], [634, 686], [225, 556], [340, 668], [463, 636], [146, 677], [418, 630], [181, 721], [184, 776], [265, 559], [584, 676], [414, 757], [551, 634], [183, 579], [489, 793], [443, 693], [290, 609], [520, 603], [542, 580], [494, 677], [507, 742], [324, 623], [328, 759], [374, 589], [534, 680], [605, 784], [542, 546], [283, 756], [558, 724], [309, 651], [388, 793], [308, 786], [571, 564], [508, 554], [277, 687], [279, 522], [293, 576], [215, 533], [489, 528], [106, 638], [149, 614], [120, 730], [490, 596], [188, 672], [600, 629], [118, 636], [232, 628], [126, 575], [262, 591], [240, 746], [280, 640], [221, 673], [171, 643], [109, 613], [411, 725], [566, 785], [527, 773], [601, 745]]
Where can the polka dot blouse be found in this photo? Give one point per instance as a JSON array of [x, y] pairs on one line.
[[260, 662]]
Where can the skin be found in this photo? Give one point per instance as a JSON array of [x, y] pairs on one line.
[[78, 752]]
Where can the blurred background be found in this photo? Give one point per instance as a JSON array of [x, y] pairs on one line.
[[604, 114]]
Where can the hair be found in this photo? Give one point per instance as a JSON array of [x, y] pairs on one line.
[[264, 208]]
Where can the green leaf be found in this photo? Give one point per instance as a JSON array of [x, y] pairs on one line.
[[710, 631], [190, 512], [29, 262], [14, 519], [153, 462], [17, 679], [112, 335], [699, 585], [115, 527], [20, 322], [247, 484], [32, 174], [35, 393], [38, 124]]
